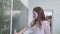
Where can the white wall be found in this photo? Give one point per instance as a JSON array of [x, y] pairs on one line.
[[48, 4], [25, 2]]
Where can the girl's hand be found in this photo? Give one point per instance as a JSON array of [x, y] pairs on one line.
[[16, 33]]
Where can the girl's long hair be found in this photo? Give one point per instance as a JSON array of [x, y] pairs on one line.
[[41, 15]]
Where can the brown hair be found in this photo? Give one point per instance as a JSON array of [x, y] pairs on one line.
[[41, 15]]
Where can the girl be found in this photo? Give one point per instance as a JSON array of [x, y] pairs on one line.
[[39, 25]]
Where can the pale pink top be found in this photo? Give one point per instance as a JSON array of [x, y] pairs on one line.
[[44, 30]]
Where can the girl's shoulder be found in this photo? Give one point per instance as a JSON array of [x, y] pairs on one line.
[[45, 23]]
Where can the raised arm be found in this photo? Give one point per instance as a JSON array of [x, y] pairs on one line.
[[27, 27]]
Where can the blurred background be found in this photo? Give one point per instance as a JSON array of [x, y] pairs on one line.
[[19, 16], [5, 6]]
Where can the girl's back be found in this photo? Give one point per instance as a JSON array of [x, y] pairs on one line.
[[45, 29]]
